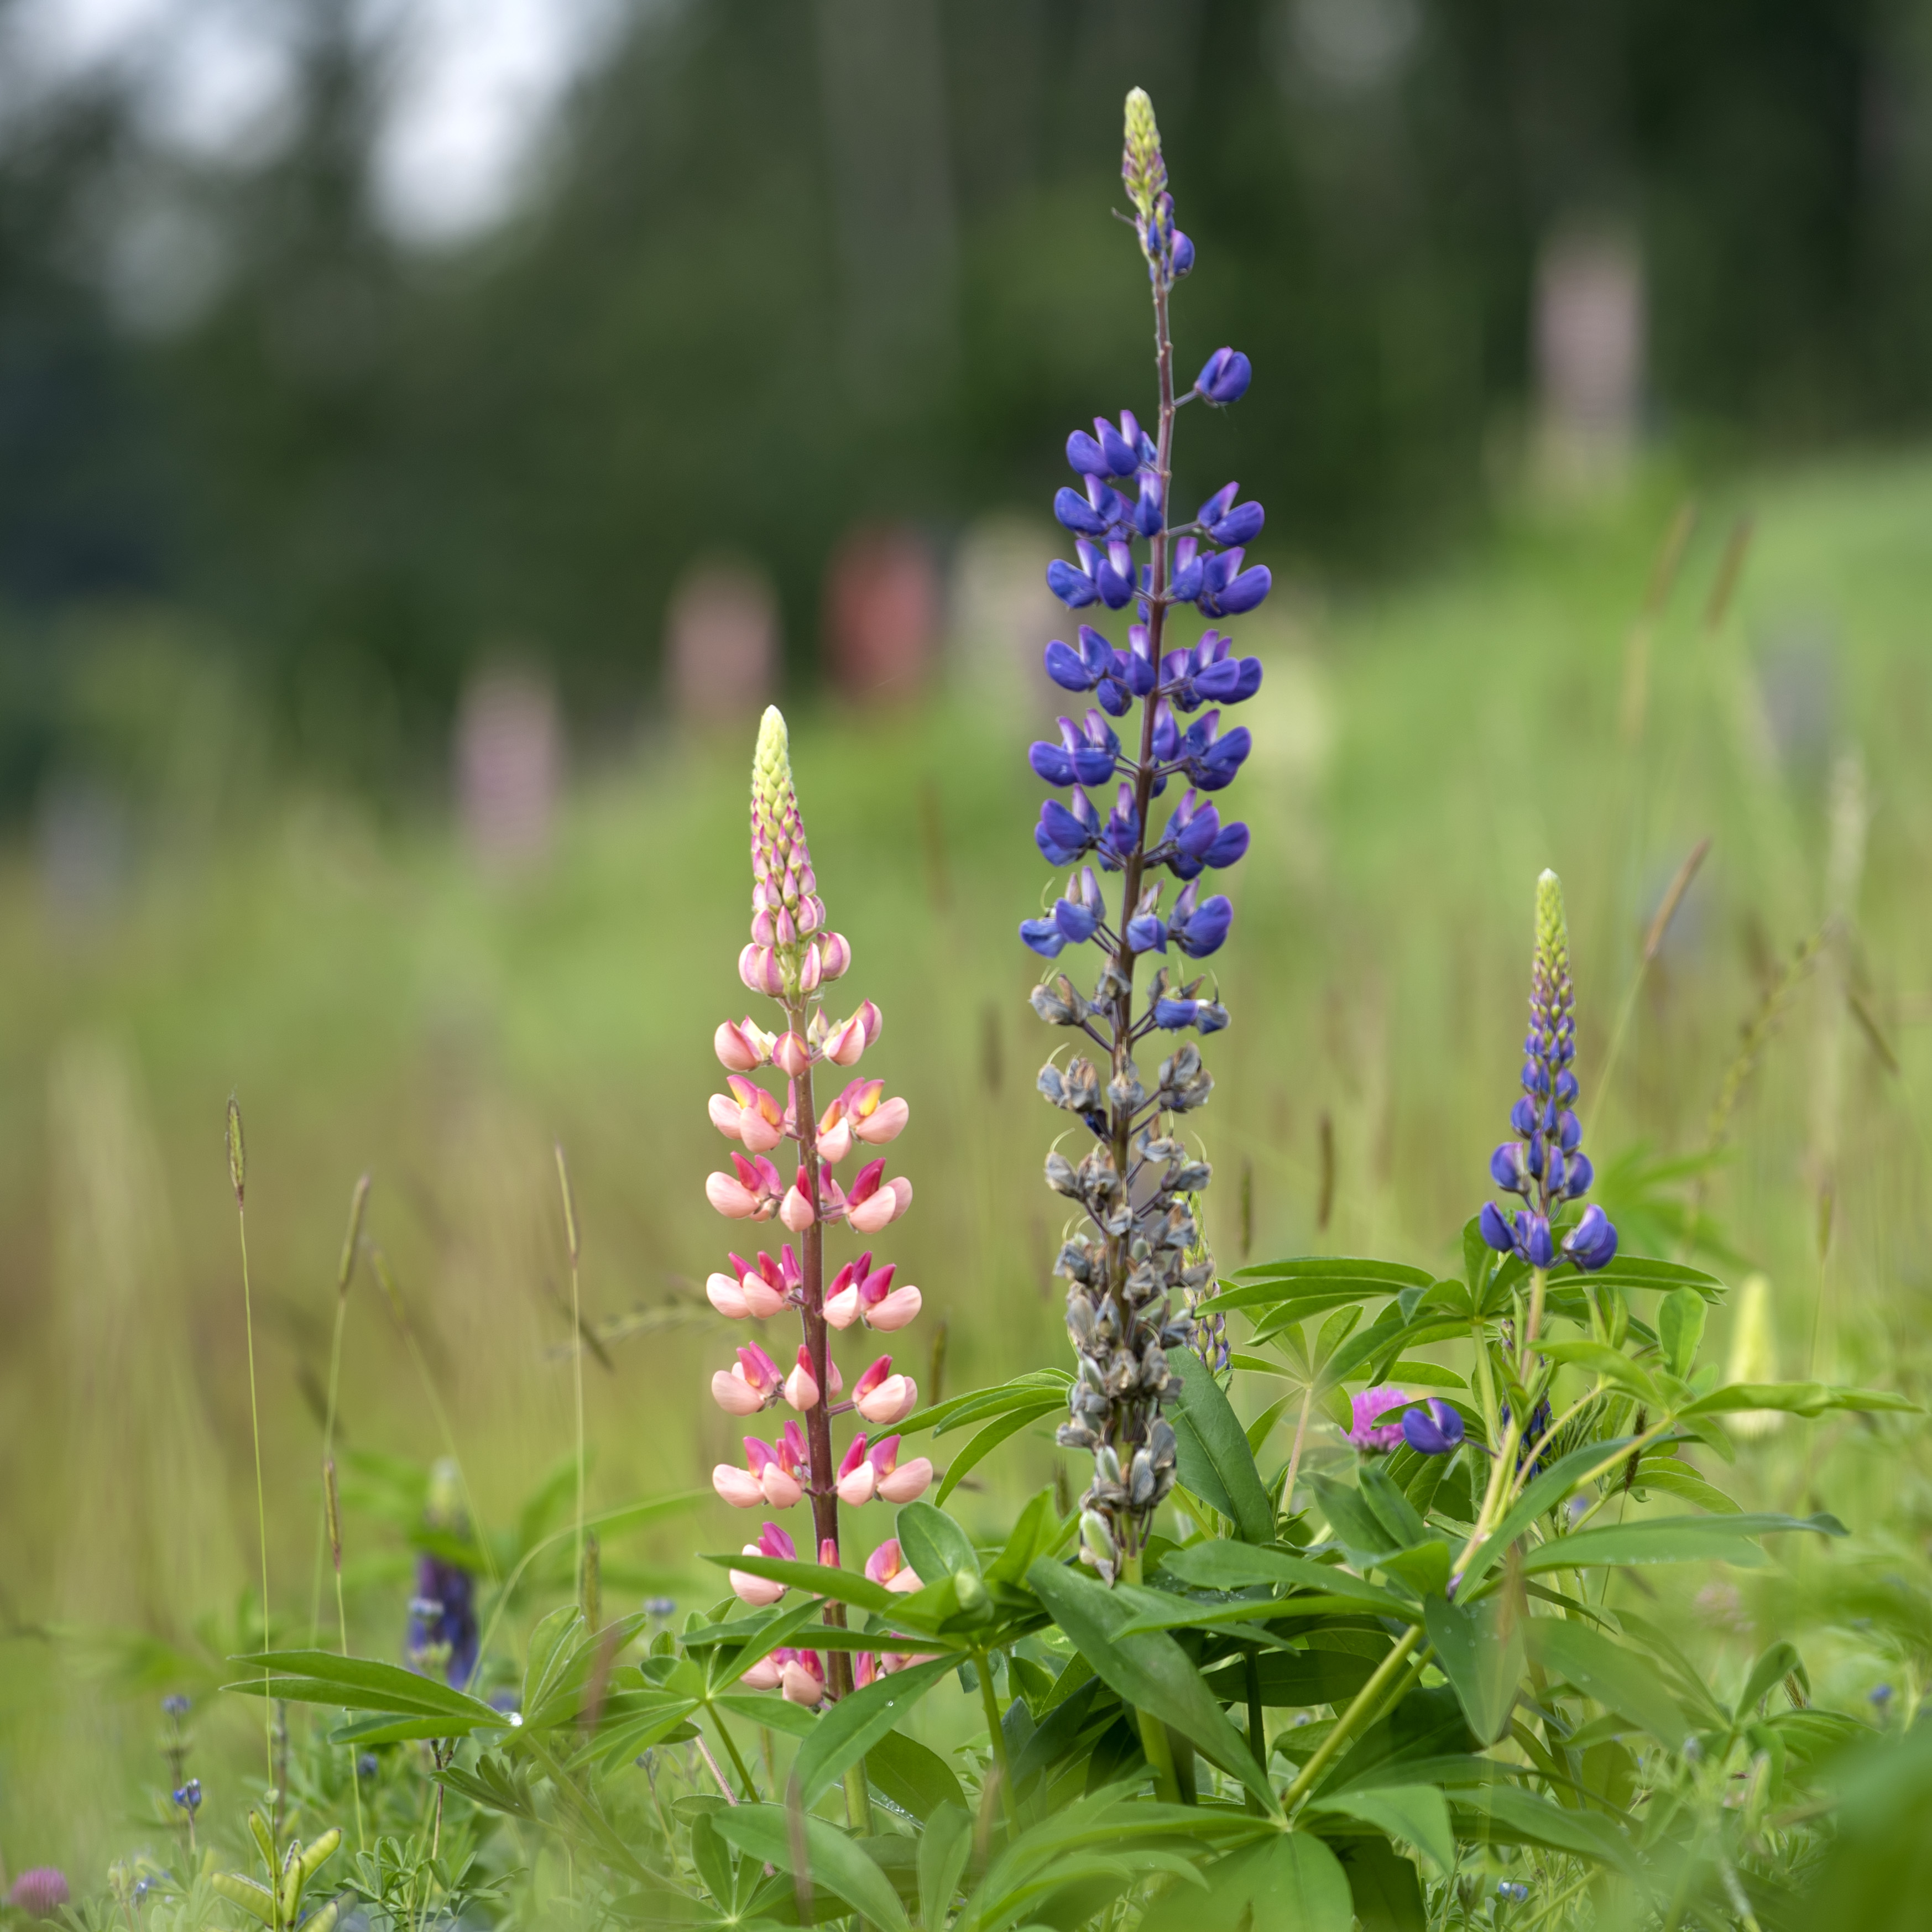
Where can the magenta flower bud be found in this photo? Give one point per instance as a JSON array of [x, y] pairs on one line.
[[763, 1675], [810, 972], [908, 1482], [791, 1055], [780, 1486], [764, 929], [869, 1016], [887, 1563], [755, 1590]]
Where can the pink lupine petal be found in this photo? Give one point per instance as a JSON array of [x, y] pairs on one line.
[[856, 1489], [842, 1310], [835, 1143], [763, 1675], [795, 1211], [725, 1295], [886, 1123], [791, 1055], [734, 1394], [739, 1487], [909, 1480], [780, 1490], [761, 1299], [899, 1309], [731, 1197]]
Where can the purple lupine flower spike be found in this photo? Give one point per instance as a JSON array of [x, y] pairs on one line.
[[1139, 1272], [1545, 1165]]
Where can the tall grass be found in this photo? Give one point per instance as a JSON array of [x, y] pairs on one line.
[[1424, 753]]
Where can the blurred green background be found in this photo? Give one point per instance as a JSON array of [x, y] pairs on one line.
[[391, 572]]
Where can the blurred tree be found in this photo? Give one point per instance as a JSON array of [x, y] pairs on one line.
[[793, 266]]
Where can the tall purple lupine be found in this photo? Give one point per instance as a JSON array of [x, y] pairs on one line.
[[1136, 1178], [792, 956], [1545, 1164]]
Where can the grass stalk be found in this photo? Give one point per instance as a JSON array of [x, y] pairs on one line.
[[238, 1175], [577, 1330], [345, 1268], [1350, 1721]]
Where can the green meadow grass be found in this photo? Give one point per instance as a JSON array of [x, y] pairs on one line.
[[377, 1003]]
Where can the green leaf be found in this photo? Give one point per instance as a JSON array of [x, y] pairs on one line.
[[1022, 1391], [1294, 1679], [1540, 1822], [1387, 1894], [1599, 1358], [1617, 1678], [851, 1727], [819, 1579], [767, 1708], [916, 1780], [1480, 1649], [1632, 1271], [989, 1438], [1356, 1527], [1230, 1566], [1425, 1568], [254, 1897], [1392, 1509], [943, 1853], [1671, 1539], [1039, 1532], [1258, 1431], [1780, 1661], [1680, 1328], [1292, 1883], [725, 1663], [1149, 1671], [361, 1683], [1676, 1477], [1796, 1399], [835, 1863], [1416, 1814], [1213, 1454], [934, 1544], [1428, 1375], [1548, 1490]]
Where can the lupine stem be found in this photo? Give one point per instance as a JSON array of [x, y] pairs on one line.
[[731, 1748], [1346, 1724], [1539, 1280], [1003, 1765]]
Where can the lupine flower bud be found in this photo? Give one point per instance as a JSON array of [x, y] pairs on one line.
[[763, 1675], [791, 1055], [795, 1211], [1224, 377], [1364, 1432], [882, 1397], [802, 1678], [739, 1487], [1435, 1430]]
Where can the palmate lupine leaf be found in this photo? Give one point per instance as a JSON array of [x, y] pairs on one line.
[[1414, 1814], [1480, 1647], [852, 1725], [934, 1544], [916, 1780], [833, 1862], [1293, 1881], [1148, 1670], [1616, 1677]]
